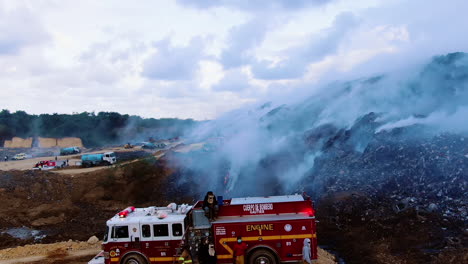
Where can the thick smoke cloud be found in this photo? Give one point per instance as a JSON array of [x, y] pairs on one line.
[[274, 146]]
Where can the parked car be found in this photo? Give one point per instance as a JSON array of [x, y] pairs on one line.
[[69, 150], [20, 156], [148, 145]]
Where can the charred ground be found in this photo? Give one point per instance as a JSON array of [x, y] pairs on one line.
[[76, 207], [386, 218], [401, 197]]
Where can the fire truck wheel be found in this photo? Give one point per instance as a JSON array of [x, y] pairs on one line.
[[134, 259], [262, 256]]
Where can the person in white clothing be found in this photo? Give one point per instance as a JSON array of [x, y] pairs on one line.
[[306, 255]]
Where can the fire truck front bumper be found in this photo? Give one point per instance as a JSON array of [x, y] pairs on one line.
[[98, 259]]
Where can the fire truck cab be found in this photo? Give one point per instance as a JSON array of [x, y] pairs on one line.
[[274, 228]]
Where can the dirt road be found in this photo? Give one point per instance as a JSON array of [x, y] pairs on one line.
[[73, 160], [79, 253], [69, 252]]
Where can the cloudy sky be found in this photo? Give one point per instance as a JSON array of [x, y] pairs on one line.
[[200, 58]]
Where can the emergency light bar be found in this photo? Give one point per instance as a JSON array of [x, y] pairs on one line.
[[126, 211]]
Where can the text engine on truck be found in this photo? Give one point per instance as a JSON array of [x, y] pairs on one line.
[[274, 228]]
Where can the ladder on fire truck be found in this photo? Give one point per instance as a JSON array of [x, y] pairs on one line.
[[181, 245], [185, 240]]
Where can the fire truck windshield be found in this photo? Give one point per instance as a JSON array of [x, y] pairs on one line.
[[106, 235], [119, 232]]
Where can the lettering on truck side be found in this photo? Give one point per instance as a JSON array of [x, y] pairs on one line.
[[250, 228], [257, 208], [220, 231]]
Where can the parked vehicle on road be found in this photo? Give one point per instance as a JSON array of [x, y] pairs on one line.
[[275, 230], [148, 145], [156, 145], [70, 150], [50, 164], [99, 159], [20, 156]]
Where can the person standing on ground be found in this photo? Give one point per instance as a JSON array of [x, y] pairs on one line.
[[306, 255], [186, 256], [239, 251], [212, 257], [203, 251]]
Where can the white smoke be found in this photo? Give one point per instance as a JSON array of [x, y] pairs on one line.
[[456, 122], [261, 137]]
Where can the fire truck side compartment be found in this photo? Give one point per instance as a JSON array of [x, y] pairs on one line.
[[273, 227]]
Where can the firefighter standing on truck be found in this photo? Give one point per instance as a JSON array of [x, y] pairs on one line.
[[210, 205], [239, 251], [185, 257]]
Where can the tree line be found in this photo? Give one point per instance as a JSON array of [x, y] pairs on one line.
[[103, 128]]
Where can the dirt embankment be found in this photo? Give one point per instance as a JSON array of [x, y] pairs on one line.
[[367, 230], [41, 142], [61, 252], [65, 207], [17, 142], [76, 206]]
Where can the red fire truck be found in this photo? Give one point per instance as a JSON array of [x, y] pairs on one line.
[[274, 228], [49, 164]]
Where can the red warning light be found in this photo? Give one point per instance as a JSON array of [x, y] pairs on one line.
[[126, 211]]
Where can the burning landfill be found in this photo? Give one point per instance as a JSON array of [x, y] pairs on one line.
[[387, 168]]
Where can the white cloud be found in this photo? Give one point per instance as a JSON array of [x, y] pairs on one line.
[[20, 28], [207, 56], [233, 80], [174, 63], [255, 5], [317, 47]]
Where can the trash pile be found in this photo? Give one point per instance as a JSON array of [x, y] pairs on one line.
[[404, 186]]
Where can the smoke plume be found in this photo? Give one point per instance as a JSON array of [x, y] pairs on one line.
[[274, 147]]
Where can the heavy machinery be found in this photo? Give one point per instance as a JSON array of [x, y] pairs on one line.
[[128, 146]]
